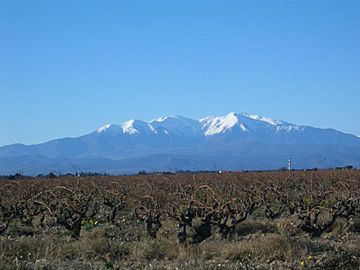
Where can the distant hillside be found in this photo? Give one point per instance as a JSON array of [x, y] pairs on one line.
[[231, 142]]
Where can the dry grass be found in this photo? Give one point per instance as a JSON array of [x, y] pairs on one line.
[[256, 243], [256, 250]]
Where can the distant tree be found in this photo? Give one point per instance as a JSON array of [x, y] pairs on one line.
[[51, 175]]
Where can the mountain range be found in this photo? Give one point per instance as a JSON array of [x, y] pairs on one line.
[[235, 141]]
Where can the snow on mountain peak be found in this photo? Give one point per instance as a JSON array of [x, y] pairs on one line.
[[103, 128], [177, 125], [128, 127], [263, 119], [169, 118], [213, 125], [207, 126], [219, 124], [159, 119]]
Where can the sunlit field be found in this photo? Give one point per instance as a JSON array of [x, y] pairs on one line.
[[264, 220]]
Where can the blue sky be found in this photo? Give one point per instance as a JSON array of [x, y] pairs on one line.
[[69, 67]]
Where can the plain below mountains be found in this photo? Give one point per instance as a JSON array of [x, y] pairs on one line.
[[236, 141]]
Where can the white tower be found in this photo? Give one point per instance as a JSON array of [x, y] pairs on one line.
[[289, 164]]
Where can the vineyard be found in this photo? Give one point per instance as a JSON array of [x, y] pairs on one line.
[[264, 220]]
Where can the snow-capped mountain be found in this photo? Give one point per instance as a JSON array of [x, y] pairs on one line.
[[233, 141], [208, 126], [173, 125]]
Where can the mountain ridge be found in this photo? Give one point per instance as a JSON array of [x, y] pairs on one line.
[[227, 121], [244, 140]]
